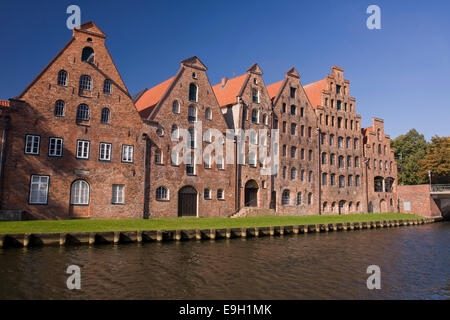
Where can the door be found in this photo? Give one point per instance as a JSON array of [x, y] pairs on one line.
[[187, 202]]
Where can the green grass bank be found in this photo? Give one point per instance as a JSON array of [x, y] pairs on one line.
[[62, 226]]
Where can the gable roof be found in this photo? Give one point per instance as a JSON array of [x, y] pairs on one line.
[[314, 92], [90, 28], [150, 98], [227, 94], [274, 88]]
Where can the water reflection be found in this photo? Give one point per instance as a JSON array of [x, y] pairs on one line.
[[413, 263]]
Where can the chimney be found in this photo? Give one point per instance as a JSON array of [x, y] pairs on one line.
[[224, 81]]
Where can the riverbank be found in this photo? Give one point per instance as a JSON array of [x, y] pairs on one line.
[[57, 226]]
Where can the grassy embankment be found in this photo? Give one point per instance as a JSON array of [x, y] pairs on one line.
[[54, 226]]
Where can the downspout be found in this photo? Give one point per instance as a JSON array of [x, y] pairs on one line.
[[320, 172], [147, 169], [6, 122]]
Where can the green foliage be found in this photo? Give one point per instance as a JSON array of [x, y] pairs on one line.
[[409, 149], [437, 160]]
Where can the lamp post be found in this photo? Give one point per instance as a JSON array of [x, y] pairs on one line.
[[429, 177]]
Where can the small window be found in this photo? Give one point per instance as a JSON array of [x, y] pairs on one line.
[[176, 107], [175, 133], [32, 144], [118, 194], [310, 198], [107, 86], [193, 92], [220, 194], [190, 165], [310, 176], [338, 89], [309, 132], [252, 159], [255, 116], [83, 149], [293, 90], [284, 108], [266, 119], [158, 157], [62, 78], [350, 181], [253, 137], [293, 174], [208, 114], [192, 114], [207, 194], [207, 163], [299, 198], [55, 147], [87, 54], [286, 198], [60, 108], [220, 163], [191, 138], [39, 189], [255, 95], [341, 181], [79, 193], [293, 129], [162, 194], [83, 113], [106, 115], [105, 151], [127, 153], [293, 110], [293, 152], [324, 179], [357, 181], [85, 83]]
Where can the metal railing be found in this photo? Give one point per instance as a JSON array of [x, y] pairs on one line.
[[438, 188]]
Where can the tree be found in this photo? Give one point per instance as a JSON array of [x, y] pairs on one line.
[[409, 149], [437, 160]]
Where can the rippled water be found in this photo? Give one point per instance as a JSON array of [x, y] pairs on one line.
[[414, 262]]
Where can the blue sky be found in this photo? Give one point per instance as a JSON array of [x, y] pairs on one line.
[[400, 73]]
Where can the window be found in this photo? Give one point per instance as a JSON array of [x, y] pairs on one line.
[[284, 126], [191, 140], [208, 114], [32, 144], [331, 139], [162, 194], [220, 162], [255, 116], [266, 119], [62, 78], [105, 151], [340, 142], [310, 155], [355, 144], [333, 179], [158, 157], [60, 107], [374, 163], [55, 147], [324, 179], [220, 194], [83, 149], [127, 153], [85, 83], [86, 54], [207, 162], [293, 174], [302, 175], [286, 198], [322, 138], [293, 92], [310, 198], [107, 86], [349, 161], [341, 162], [193, 92], [302, 131], [284, 173], [284, 150], [338, 89], [79, 193], [350, 180], [302, 154], [339, 105], [341, 181], [255, 96], [293, 152], [106, 115], [252, 159], [118, 194], [293, 129], [207, 194], [302, 112], [190, 166], [293, 110], [207, 136], [192, 114], [284, 108], [309, 132], [176, 107], [332, 159], [347, 143], [175, 133], [357, 182], [83, 112], [310, 176], [39, 189], [356, 162], [299, 198]]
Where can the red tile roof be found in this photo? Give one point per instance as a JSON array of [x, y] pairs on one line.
[[274, 88], [4, 103], [227, 95], [150, 98], [314, 92]]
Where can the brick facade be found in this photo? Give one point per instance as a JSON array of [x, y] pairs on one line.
[[324, 155], [417, 200]]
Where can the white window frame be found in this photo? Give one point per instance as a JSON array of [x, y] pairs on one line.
[[118, 194], [107, 86], [207, 194], [32, 142], [220, 196], [40, 183], [58, 144], [85, 149], [105, 151], [162, 194], [127, 153], [77, 197]]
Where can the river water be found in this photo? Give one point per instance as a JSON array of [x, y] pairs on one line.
[[414, 263]]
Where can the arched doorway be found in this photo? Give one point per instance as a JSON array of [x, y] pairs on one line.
[[383, 206], [251, 194], [187, 202], [341, 207]]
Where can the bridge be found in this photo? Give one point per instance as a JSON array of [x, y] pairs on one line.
[[441, 195]]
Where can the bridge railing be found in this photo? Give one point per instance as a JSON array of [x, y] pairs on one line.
[[436, 188]]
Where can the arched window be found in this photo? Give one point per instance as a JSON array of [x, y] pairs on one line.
[[356, 162], [293, 152], [83, 112], [162, 193], [79, 193], [331, 139], [62, 78], [355, 144], [293, 110], [341, 162], [293, 173], [60, 107], [220, 194], [266, 119], [357, 182], [107, 86], [158, 157], [299, 198], [310, 198], [176, 107], [85, 83], [220, 165], [192, 114], [324, 158], [255, 116], [106, 115], [341, 181], [349, 161], [324, 179], [350, 180], [310, 176], [284, 173], [332, 159], [324, 206], [286, 198], [207, 194], [208, 114], [347, 144], [340, 142], [193, 92], [87, 53], [175, 133]]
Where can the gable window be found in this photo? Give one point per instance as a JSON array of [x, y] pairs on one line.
[[107, 86], [79, 193], [293, 110], [284, 108], [127, 153], [83, 112], [193, 92], [106, 115], [255, 96], [55, 147], [162, 194], [176, 107], [60, 107], [338, 89], [192, 114], [32, 143], [301, 112], [220, 194], [39, 189], [255, 116], [85, 83], [62, 78], [293, 92], [83, 149], [105, 151], [87, 53], [118, 194], [208, 114]]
